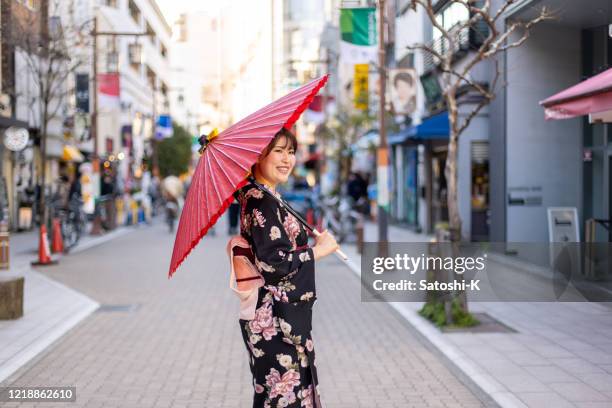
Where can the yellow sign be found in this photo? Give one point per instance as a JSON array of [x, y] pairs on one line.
[[360, 86]]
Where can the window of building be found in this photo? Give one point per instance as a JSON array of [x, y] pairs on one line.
[[480, 191], [151, 77], [449, 18], [110, 3], [134, 12], [163, 50], [135, 55], [151, 33]]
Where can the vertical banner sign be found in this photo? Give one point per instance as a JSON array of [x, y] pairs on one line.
[[82, 93], [358, 43], [360, 86], [382, 174], [108, 90]]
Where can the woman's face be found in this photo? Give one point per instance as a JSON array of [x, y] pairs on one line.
[[276, 167]]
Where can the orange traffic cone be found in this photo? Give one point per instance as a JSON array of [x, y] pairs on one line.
[[44, 254], [57, 242]]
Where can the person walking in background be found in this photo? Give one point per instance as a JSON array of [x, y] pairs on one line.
[[234, 212]]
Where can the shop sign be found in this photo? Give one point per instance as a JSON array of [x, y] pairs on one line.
[[16, 138]]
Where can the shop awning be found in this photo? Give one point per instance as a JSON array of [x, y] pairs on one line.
[[71, 153], [433, 128], [593, 95]]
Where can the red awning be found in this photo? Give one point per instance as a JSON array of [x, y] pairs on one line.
[[590, 96]]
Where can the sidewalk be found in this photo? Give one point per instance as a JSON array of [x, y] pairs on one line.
[[50, 308], [560, 354], [159, 342]]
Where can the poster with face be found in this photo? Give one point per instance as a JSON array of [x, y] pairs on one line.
[[403, 90]]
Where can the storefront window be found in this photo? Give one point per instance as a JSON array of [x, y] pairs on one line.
[[480, 191]]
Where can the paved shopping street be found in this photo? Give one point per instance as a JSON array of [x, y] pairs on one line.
[[156, 342]]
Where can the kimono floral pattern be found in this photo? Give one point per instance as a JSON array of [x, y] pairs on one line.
[[278, 339]]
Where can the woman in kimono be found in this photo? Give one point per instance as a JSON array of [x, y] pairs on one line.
[[278, 338]]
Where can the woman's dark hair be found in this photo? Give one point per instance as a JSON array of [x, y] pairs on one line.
[[291, 140], [403, 76]]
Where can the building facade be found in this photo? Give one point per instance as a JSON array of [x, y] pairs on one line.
[[225, 63], [419, 149], [133, 81], [560, 163]]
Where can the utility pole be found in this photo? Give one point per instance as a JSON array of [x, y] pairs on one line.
[[96, 228], [94, 112], [382, 154]]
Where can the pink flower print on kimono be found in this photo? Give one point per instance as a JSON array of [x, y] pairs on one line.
[[258, 218], [264, 322], [278, 292], [292, 227], [305, 396], [283, 385], [254, 192]]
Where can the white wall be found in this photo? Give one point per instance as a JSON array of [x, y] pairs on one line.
[[541, 154]]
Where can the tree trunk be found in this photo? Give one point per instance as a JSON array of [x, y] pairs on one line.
[[454, 218]]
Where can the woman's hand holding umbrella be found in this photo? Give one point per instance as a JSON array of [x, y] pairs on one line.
[[325, 244]]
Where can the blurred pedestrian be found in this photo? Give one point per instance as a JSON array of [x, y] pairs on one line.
[[234, 211], [356, 186]]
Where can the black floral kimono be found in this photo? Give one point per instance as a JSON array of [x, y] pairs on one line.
[[278, 339]]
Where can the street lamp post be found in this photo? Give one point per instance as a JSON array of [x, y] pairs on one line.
[[94, 114], [382, 153], [96, 228]]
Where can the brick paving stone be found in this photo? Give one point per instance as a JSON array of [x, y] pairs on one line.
[[179, 344]]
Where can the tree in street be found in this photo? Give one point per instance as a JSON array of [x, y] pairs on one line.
[[174, 153], [47, 45], [456, 58]]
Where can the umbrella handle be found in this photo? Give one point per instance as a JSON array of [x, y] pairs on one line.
[[338, 252]]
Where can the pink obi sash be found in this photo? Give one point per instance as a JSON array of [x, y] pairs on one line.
[[245, 279]]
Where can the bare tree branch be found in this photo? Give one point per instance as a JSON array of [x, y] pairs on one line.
[[503, 9], [498, 45], [426, 48], [461, 78], [484, 102]]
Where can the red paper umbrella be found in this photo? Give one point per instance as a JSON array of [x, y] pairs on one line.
[[226, 162]]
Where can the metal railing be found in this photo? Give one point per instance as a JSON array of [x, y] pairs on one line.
[[463, 39]]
